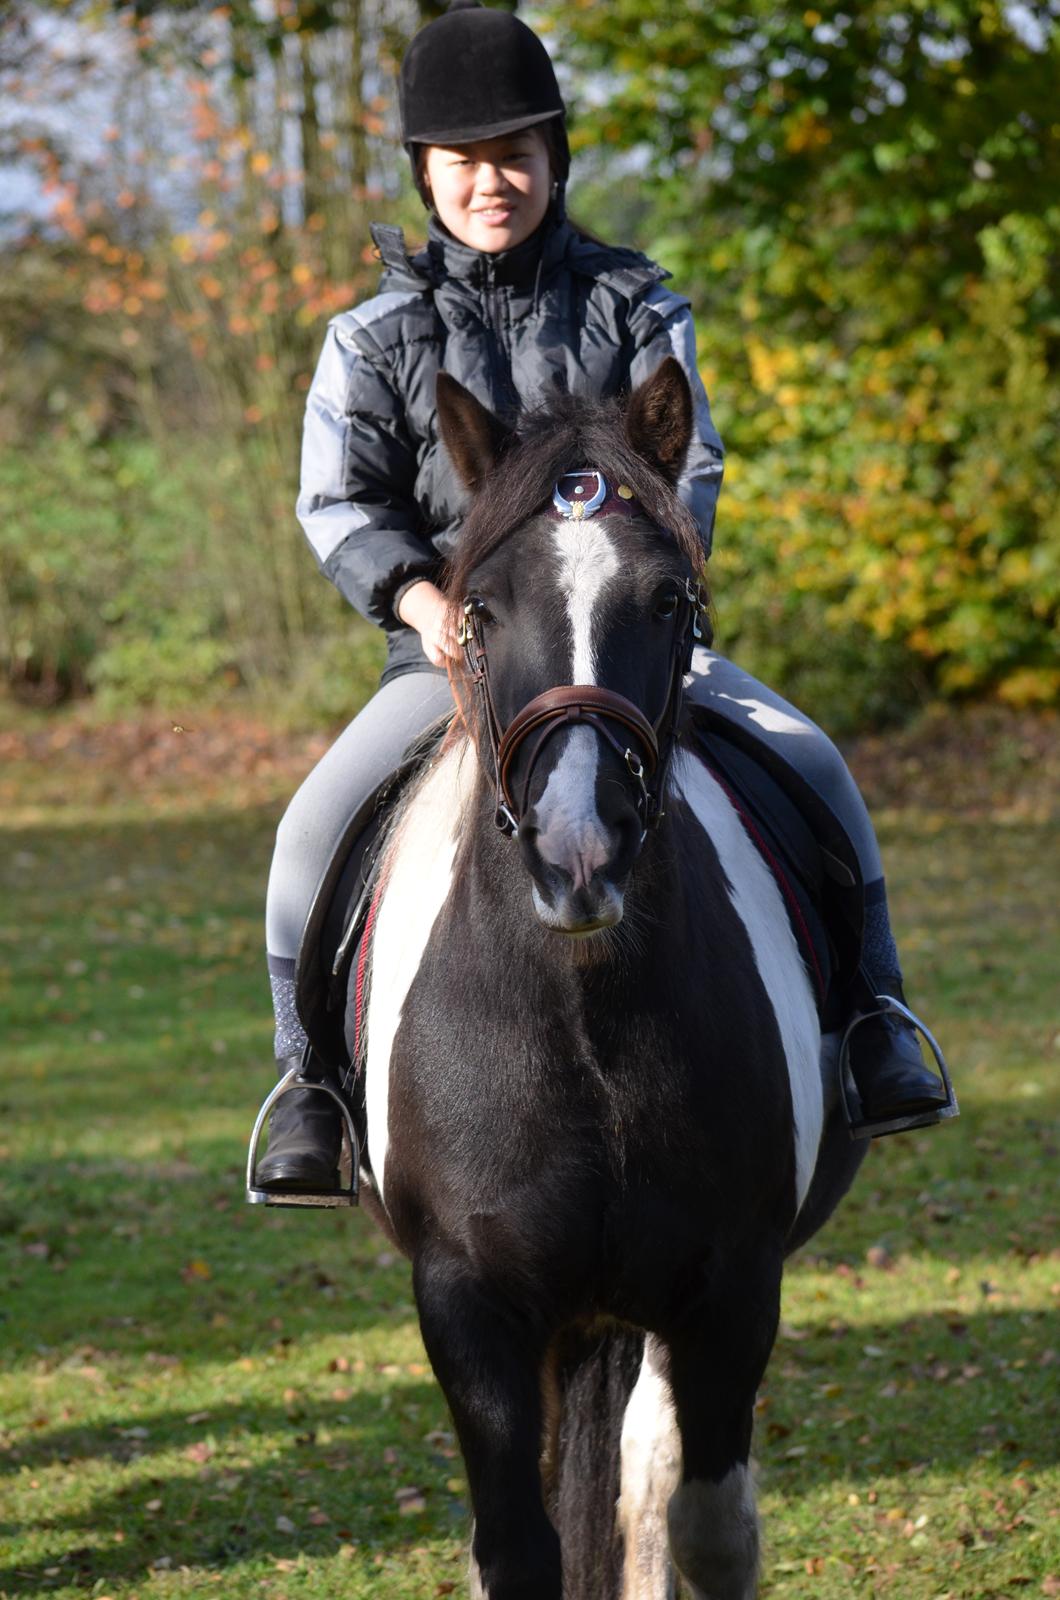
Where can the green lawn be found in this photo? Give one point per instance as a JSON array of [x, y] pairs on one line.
[[199, 1398]]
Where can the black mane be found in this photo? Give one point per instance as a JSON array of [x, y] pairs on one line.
[[567, 433]]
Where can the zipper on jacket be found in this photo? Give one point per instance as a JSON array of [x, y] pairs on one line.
[[500, 355]]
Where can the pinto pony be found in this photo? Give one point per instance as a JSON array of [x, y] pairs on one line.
[[595, 1114]]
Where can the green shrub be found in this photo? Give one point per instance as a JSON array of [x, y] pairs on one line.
[[149, 581]]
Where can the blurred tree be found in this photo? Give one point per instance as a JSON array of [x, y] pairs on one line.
[[195, 230]]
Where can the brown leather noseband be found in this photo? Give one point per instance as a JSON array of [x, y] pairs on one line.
[[645, 746]]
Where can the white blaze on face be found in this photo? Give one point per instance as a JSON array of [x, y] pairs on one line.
[[419, 877], [587, 561]]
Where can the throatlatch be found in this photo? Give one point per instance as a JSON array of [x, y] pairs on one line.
[[325, 1199]]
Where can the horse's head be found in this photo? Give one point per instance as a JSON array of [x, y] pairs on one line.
[[575, 579]]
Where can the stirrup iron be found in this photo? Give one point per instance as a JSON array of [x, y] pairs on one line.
[[860, 1126], [326, 1199]]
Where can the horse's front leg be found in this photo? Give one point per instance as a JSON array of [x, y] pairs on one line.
[[717, 1358], [489, 1363]]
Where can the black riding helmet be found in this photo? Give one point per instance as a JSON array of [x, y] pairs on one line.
[[477, 73]]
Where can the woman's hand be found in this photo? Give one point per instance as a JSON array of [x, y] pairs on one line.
[[425, 608]]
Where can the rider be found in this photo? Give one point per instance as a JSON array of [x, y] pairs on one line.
[[515, 301]]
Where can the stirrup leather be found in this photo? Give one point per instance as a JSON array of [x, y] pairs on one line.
[[862, 1127], [326, 1199]]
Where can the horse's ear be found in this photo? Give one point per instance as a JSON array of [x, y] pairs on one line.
[[659, 418], [473, 436]]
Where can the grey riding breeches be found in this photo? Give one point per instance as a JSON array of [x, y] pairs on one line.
[[373, 744], [342, 780]]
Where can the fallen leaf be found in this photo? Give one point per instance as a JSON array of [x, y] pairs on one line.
[[410, 1501], [196, 1271]]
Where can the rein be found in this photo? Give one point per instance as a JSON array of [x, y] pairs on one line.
[[645, 746]]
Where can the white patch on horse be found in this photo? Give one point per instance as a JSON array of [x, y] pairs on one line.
[[418, 878], [586, 563], [651, 1470], [760, 905]]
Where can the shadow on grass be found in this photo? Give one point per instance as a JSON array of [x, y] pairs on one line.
[[218, 1515], [932, 1393], [904, 1380]]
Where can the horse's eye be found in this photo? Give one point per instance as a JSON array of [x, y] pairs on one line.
[[666, 605], [481, 609]]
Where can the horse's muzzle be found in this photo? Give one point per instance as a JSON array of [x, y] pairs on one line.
[[579, 912], [579, 869]]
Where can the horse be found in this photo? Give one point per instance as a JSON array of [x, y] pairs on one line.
[[596, 1117]]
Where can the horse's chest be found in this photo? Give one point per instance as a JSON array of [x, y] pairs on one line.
[[567, 1138]]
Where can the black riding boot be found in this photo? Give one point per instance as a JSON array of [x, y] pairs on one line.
[[305, 1141], [890, 1074]]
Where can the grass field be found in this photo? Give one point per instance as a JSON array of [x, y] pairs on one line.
[[201, 1399]]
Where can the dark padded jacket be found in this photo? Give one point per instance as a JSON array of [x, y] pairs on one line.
[[380, 501]]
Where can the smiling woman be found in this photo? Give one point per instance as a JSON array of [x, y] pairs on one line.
[[492, 194]]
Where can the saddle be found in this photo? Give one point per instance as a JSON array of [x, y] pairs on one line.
[[798, 835]]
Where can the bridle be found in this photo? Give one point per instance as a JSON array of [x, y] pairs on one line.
[[645, 746]]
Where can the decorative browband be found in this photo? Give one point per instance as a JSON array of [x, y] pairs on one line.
[[587, 493]]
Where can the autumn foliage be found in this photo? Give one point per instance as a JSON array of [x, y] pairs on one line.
[[857, 204]]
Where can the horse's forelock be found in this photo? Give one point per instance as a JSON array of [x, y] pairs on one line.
[[566, 434]]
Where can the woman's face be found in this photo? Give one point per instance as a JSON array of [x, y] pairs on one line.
[[492, 194]]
